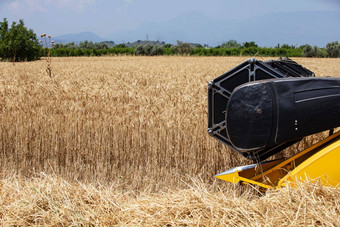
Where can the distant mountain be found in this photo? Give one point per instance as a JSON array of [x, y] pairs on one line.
[[296, 28], [78, 37]]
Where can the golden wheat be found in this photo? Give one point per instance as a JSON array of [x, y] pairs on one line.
[[140, 121], [125, 128]]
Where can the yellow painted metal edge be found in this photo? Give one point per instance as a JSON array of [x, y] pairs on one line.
[[333, 147], [255, 183], [230, 177], [296, 156], [233, 176]]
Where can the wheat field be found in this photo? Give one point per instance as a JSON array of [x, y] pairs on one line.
[[126, 130]]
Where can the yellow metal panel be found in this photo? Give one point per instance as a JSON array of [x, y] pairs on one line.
[[324, 166], [319, 162]]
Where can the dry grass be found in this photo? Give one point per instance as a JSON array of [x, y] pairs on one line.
[[49, 200], [138, 123]]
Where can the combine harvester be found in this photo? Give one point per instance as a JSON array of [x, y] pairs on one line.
[[260, 108]]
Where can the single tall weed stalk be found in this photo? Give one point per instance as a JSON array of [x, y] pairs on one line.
[[47, 51]]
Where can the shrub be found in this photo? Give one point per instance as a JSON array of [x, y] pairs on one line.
[[333, 49], [139, 50], [147, 48], [182, 48], [308, 51], [250, 51], [156, 50], [319, 52]]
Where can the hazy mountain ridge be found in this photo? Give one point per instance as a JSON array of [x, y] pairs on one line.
[[297, 28], [78, 37]]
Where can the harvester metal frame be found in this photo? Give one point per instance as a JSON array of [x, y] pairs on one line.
[[221, 88], [316, 163]]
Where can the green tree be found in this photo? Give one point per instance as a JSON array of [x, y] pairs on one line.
[[287, 46], [101, 46], [182, 48], [249, 44], [156, 50], [319, 52], [18, 43], [122, 45], [139, 50], [230, 44], [86, 45], [308, 51], [333, 49], [147, 48]]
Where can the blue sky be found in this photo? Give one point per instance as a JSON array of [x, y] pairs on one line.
[[105, 17]]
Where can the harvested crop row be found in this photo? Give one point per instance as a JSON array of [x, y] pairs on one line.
[[50, 200]]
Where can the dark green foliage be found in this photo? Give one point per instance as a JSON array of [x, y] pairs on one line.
[[230, 44], [333, 49], [139, 50], [152, 48], [286, 46], [319, 52], [148, 50], [251, 44], [156, 50], [122, 45], [18, 43], [168, 51], [90, 45], [309, 51], [109, 44], [182, 48], [250, 51], [67, 52], [82, 45]]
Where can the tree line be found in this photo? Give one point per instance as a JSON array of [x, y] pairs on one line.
[[229, 48], [17, 43]]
